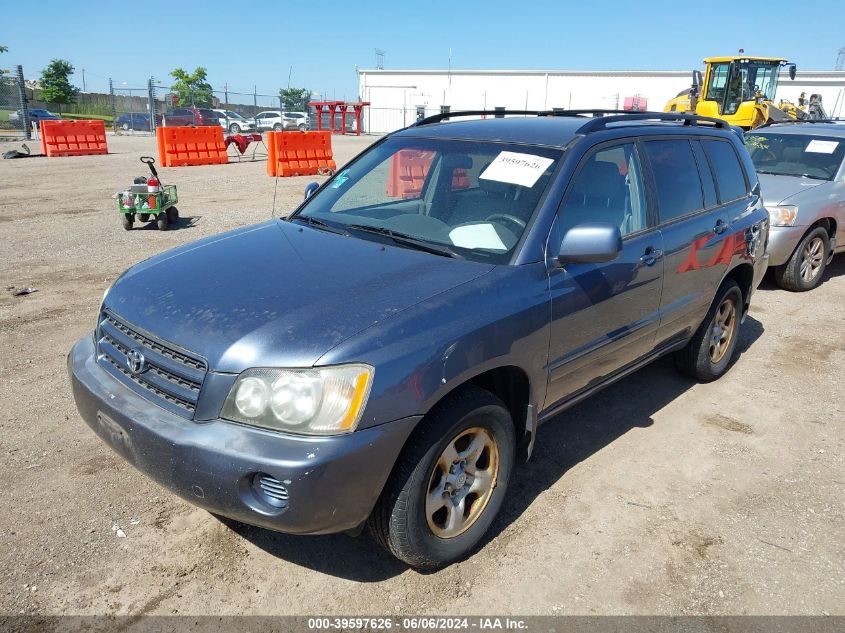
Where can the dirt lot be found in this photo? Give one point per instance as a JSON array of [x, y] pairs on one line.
[[656, 496]]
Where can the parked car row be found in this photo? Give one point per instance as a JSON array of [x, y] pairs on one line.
[[230, 121], [527, 263]]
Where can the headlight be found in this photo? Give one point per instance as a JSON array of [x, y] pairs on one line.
[[784, 215], [318, 401]]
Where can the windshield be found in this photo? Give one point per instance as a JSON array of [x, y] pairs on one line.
[[796, 154], [473, 199]]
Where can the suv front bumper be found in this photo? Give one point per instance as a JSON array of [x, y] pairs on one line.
[[332, 483]]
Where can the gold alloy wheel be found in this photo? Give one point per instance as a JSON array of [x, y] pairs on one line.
[[811, 259], [462, 483], [723, 329]]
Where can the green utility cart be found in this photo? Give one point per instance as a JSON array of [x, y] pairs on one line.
[[148, 199]]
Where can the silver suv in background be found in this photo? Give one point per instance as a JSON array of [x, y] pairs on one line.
[[802, 180], [233, 122]]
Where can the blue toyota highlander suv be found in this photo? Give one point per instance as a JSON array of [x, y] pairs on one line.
[[384, 355]]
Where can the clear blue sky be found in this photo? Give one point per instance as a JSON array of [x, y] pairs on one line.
[[255, 43]]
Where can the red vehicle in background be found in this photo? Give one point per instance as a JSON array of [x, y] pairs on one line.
[[181, 117]]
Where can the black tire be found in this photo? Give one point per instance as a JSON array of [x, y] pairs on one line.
[[301, 127], [705, 358], [143, 217], [234, 128], [277, 127], [127, 221], [173, 215], [125, 127], [812, 252], [161, 221], [400, 522]]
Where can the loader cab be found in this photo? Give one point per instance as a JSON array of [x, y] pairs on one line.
[[731, 82]]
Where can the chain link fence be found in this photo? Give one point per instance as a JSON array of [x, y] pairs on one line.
[[14, 119], [140, 109]]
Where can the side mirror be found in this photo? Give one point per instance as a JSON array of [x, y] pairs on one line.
[[590, 243], [310, 188], [696, 81], [792, 70]]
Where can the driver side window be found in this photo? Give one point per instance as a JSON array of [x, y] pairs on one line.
[[608, 187]]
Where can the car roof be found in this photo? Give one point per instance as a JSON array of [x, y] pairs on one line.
[[811, 129], [550, 131]]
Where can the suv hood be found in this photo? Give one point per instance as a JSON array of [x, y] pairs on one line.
[[778, 189], [277, 294]]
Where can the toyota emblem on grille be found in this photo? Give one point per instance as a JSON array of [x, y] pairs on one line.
[[135, 361]]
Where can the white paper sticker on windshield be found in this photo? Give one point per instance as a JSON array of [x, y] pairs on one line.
[[516, 169], [477, 236], [822, 147]]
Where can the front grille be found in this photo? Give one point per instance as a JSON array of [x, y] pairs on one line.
[[169, 377]]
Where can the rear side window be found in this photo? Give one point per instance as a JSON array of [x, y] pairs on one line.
[[730, 180], [675, 176]]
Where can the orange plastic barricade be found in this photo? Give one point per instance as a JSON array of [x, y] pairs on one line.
[[408, 169], [73, 138], [299, 153], [183, 146]]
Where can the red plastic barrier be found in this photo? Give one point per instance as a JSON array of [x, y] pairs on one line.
[[408, 169], [73, 138], [191, 146], [299, 153]]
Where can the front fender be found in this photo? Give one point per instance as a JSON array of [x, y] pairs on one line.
[[422, 354]]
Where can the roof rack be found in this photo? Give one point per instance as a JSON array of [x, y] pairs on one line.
[[601, 123], [599, 118]]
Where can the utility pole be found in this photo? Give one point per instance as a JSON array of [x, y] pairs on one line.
[[840, 59], [83, 81]]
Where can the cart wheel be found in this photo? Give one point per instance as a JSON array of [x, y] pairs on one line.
[[173, 215], [144, 217], [128, 221], [161, 221]]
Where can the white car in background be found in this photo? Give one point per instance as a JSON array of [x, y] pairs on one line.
[[233, 122], [296, 121], [275, 120]]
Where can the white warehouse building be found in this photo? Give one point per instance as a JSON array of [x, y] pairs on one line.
[[398, 97]]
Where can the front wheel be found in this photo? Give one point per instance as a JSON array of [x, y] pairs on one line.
[[127, 221], [805, 268], [144, 217], [161, 221], [235, 128], [277, 127], [449, 482], [708, 354], [173, 215], [301, 127]]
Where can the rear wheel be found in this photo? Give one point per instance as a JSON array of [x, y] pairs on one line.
[[805, 268], [301, 127], [707, 356], [144, 217], [449, 482], [127, 221], [173, 215], [125, 127], [161, 221], [277, 127], [235, 128]]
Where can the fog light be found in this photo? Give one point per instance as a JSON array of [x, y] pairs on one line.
[[270, 490]]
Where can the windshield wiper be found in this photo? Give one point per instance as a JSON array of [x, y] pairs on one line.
[[409, 241], [325, 226], [778, 173]]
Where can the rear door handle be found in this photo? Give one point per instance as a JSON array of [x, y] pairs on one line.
[[721, 227], [651, 256]]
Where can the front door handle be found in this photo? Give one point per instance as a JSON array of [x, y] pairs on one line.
[[651, 256], [721, 227]]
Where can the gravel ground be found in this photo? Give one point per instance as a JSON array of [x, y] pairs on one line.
[[656, 496]]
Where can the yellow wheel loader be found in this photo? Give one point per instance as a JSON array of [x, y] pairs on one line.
[[741, 91]]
